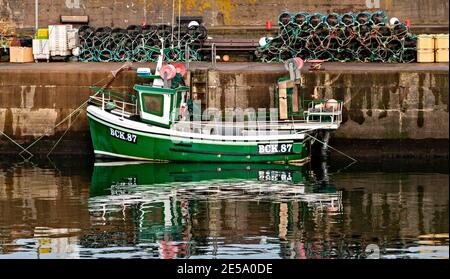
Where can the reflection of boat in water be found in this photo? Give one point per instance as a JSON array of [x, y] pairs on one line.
[[143, 173], [172, 206], [208, 181]]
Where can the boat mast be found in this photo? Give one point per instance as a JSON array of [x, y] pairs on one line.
[[159, 82]]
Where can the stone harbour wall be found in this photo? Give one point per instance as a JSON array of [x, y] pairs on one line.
[[403, 105], [378, 105]]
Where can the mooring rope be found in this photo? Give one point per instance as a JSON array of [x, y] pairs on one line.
[[20, 146], [80, 107], [65, 132], [327, 145]]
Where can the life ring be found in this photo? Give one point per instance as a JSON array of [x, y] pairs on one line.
[[168, 70], [299, 62]]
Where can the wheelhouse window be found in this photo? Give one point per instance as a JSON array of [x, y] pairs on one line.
[[153, 104]]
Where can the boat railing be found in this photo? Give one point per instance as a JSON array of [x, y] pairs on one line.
[[317, 116], [322, 111], [252, 127], [109, 101]]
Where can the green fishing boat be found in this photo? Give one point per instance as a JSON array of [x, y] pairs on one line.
[[162, 122]]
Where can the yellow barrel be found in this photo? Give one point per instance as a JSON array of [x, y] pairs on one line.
[[425, 55], [425, 41], [442, 55], [441, 41]]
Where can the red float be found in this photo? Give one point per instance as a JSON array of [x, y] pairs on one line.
[[180, 67]]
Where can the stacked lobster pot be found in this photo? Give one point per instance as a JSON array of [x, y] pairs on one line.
[[365, 37], [141, 43]]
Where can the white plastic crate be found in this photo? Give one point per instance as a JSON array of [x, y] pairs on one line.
[[72, 38], [60, 53], [58, 39], [41, 49]]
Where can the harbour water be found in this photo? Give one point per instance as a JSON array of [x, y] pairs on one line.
[[76, 208]]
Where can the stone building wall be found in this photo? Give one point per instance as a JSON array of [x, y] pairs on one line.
[[121, 13]]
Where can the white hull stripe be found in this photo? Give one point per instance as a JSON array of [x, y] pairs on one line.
[[123, 156], [121, 163]]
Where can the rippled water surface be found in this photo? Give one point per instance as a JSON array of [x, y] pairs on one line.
[[75, 208]]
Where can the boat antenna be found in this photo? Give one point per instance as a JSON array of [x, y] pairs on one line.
[[159, 82], [160, 58]]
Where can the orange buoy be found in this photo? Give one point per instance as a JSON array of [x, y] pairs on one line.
[[179, 67], [226, 58], [408, 22]]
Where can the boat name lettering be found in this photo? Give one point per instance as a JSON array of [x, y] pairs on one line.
[[129, 137], [280, 148], [273, 175]]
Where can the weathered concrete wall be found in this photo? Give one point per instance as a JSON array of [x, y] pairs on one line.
[[32, 102], [379, 105], [388, 106], [121, 13], [403, 105]]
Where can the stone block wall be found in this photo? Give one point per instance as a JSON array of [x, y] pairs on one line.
[[121, 13]]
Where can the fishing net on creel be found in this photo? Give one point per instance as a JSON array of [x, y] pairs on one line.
[[365, 37], [7, 32], [140, 43], [4, 42]]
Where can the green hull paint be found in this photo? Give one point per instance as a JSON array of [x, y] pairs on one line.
[[164, 149], [165, 173]]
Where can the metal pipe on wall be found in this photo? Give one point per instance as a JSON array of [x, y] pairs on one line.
[[36, 14], [145, 11]]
